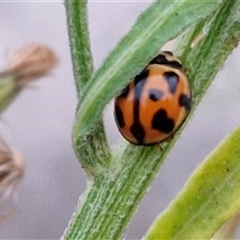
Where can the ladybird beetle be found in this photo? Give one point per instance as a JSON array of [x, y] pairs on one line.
[[155, 103]]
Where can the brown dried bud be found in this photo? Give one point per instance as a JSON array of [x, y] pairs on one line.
[[12, 167], [30, 62]]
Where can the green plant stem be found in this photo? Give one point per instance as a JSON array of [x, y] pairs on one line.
[[94, 152], [79, 42], [103, 216], [92, 149]]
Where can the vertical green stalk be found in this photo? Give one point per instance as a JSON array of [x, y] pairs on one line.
[[93, 149], [79, 41]]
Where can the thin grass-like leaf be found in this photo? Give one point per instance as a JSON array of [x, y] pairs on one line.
[[210, 197]]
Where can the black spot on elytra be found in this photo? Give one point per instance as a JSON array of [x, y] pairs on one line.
[[124, 92], [161, 122], [161, 59], [155, 94], [137, 129], [185, 101], [119, 117], [138, 132], [172, 80], [140, 79]]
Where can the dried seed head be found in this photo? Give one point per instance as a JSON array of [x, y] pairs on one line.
[[12, 167], [30, 62]]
